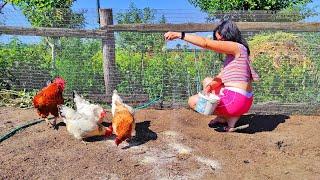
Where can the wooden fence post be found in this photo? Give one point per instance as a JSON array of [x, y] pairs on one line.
[[108, 53]]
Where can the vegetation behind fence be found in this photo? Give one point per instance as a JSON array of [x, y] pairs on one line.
[[149, 68]]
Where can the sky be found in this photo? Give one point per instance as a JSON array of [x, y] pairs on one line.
[[124, 4], [176, 11]]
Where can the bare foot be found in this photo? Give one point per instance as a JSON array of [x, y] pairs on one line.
[[233, 129]]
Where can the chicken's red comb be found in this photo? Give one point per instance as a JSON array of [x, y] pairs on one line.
[[103, 113], [59, 80]]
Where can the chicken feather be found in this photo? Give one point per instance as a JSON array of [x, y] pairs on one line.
[[85, 107], [123, 122], [82, 126], [48, 98]]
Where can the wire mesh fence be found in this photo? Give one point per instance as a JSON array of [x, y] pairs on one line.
[[148, 69]]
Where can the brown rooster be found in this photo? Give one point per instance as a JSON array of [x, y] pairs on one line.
[[47, 100]]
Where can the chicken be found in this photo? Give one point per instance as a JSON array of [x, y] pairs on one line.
[[123, 123], [82, 126], [85, 107], [47, 100]]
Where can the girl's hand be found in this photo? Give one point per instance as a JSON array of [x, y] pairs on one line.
[[172, 35], [213, 85]]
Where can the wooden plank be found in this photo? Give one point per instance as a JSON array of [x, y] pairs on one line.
[[188, 27], [203, 27], [53, 32]]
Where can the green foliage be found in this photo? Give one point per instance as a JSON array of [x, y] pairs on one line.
[[134, 41], [21, 99], [285, 67], [288, 65], [226, 5], [50, 13], [81, 68], [15, 53], [170, 74], [278, 10]]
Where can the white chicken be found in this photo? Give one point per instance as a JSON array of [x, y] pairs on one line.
[[123, 123], [85, 107], [82, 126]]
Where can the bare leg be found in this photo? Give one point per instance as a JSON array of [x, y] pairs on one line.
[[231, 123], [193, 101]]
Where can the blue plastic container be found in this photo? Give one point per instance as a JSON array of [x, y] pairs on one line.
[[207, 103]]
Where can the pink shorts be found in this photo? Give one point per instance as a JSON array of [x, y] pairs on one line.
[[233, 102]]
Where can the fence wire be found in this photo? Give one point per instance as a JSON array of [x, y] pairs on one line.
[[147, 68]]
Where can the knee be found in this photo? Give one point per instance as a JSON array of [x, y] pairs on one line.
[[192, 101]]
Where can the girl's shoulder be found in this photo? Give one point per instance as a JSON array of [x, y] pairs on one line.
[[243, 48]]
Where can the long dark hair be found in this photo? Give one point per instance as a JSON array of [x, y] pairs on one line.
[[230, 32]]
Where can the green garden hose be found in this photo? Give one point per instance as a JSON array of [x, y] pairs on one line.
[[19, 128]]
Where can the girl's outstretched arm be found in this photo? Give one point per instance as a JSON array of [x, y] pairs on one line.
[[225, 47]]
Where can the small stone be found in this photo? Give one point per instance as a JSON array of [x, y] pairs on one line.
[[246, 161]]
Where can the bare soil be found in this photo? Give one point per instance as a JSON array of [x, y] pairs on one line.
[[170, 144]]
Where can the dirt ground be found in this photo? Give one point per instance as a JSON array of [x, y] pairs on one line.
[[170, 144]]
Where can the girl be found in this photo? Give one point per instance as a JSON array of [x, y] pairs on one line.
[[234, 83]]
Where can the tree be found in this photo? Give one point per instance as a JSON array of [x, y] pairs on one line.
[[146, 42], [2, 5], [289, 10], [50, 13]]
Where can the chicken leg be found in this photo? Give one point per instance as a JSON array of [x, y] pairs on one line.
[[54, 123], [47, 121]]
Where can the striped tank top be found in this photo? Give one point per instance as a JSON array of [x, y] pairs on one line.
[[238, 69]]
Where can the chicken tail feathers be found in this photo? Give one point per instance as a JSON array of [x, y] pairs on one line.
[[74, 94], [76, 98]]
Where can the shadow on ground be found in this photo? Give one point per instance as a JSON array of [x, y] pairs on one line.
[[143, 134], [258, 123]]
